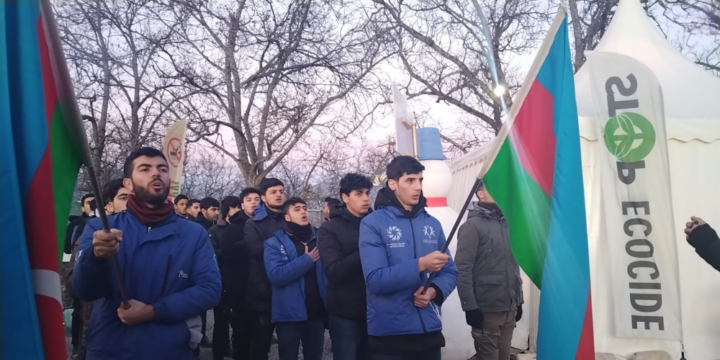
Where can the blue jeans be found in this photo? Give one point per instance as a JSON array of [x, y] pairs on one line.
[[312, 334], [349, 338]]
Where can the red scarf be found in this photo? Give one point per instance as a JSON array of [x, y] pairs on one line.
[[149, 216]]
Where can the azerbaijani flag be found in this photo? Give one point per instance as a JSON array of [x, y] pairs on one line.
[[41, 151], [536, 179]]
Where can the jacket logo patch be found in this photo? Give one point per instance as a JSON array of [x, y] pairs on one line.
[[182, 274], [283, 253], [394, 233], [428, 231]]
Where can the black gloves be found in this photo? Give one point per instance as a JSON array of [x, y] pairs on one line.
[[518, 314], [475, 318]]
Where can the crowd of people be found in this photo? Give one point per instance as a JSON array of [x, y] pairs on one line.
[[143, 288]]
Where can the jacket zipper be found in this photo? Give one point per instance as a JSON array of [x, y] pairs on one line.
[[167, 274], [412, 230]]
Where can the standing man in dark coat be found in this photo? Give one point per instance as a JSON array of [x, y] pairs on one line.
[[489, 282], [232, 246], [267, 219], [85, 202], [340, 254], [208, 215]]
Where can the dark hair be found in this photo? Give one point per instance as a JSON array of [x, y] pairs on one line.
[[209, 202], [267, 183], [144, 151], [111, 190], [481, 186], [292, 202], [227, 203], [403, 165], [247, 191], [85, 197], [192, 201], [180, 197], [351, 182]]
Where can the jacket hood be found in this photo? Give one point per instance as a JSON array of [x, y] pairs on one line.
[[387, 198], [239, 216], [200, 219], [341, 211], [485, 210], [262, 211]]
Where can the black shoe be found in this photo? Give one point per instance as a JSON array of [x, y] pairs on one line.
[[205, 342]]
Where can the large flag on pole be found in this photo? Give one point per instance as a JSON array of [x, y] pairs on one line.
[[174, 150], [41, 142], [535, 176]]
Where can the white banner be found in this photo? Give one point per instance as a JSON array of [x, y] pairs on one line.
[[638, 226], [404, 123], [174, 150]]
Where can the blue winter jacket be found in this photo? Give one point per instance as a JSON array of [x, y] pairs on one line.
[[390, 245], [171, 266], [286, 271]]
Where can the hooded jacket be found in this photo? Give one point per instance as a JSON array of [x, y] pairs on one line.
[[232, 248], [286, 271], [170, 266], [489, 277], [391, 242], [338, 241], [215, 233], [707, 244], [263, 224]]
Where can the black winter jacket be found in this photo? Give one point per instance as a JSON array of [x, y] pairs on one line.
[[338, 244], [263, 224], [707, 244], [232, 248], [74, 221], [207, 224], [216, 233]]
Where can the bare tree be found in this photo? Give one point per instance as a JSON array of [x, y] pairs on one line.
[[211, 174], [271, 72], [589, 20], [698, 17]]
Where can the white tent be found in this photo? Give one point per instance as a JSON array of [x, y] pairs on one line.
[[692, 109]]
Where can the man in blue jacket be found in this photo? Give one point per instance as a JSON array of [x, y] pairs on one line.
[[291, 261], [167, 265], [400, 244]]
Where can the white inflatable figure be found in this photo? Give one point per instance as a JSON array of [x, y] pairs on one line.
[[436, 185]]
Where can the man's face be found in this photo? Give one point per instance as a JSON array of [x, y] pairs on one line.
[[249, 203], [212, 213], [358, 201], [194, 210], [298, 214], [407, 189], [181, 207], [86, 205], [232, 211], [274, 197], [150, 181], [484, 196], [119, 203], [326, 211]]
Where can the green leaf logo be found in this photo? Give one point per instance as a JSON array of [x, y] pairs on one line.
[[629, 136]]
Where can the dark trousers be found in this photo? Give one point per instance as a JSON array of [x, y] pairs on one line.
[[77, 323], [427, 355], [261, 332], [349, 338], [241, 322], [221, 329], [310, 332]]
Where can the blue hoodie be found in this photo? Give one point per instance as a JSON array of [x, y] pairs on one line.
[[286, 271], [391, 242], [171, 266]]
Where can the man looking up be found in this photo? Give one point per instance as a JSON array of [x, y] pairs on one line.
[[267, 218], [298, 312], [490, 291], [234, 252], [181, 202], [166, 263], [209, 212], [400, 244], [338, 241], [193, 209]]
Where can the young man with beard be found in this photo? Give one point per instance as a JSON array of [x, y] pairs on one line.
[[490, 291], [181, 202], [232, 247], [115, 196], [291, 256], [267, 218], [166, 263], [400, 245], [193, 209], [209, 212], [338, 241], [229, 206]]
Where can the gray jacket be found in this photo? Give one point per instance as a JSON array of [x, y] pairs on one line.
[[489, 277]]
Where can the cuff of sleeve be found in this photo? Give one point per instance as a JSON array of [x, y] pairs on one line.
[[161, 310], [702, 236], [439, 297]]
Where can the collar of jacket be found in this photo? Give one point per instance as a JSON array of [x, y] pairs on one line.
[[489, 211], [239, 216], [386, 199], [261, 212], [341, 212], [158, 231]]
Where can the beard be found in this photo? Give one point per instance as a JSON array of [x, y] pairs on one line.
[[148, 196]]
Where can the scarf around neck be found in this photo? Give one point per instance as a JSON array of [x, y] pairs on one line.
[[149, 216]]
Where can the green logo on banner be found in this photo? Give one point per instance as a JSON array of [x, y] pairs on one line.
[[629, 136]]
